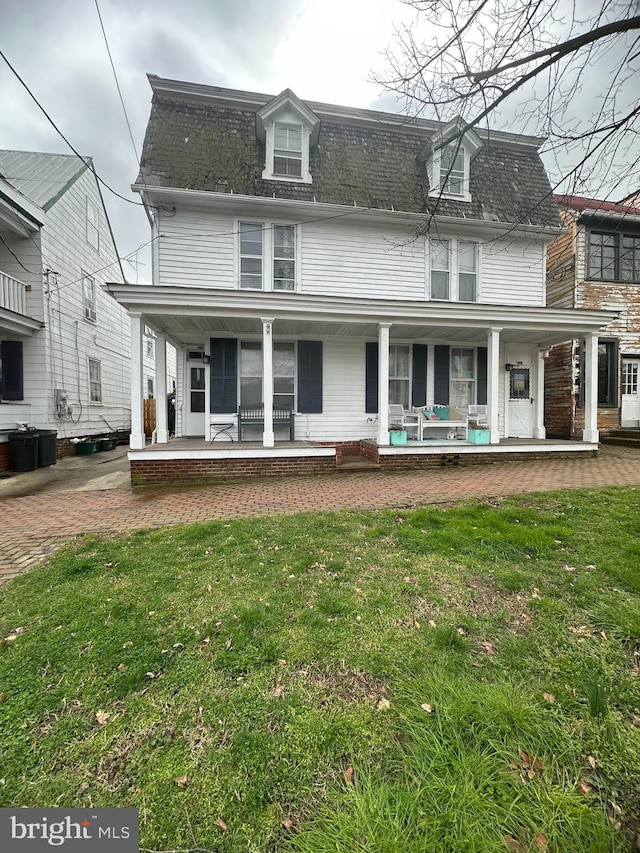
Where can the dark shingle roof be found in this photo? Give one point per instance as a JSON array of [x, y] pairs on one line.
[[200, 144]]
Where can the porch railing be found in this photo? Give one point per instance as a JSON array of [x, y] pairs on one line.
[[13, 294]]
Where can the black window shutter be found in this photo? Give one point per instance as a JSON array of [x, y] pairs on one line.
[[481, 393], [371, 378], [309, 377], [12, 383], [419, 375], [224, 369], [441, 375]]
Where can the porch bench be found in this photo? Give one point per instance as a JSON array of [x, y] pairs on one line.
[[426, 424], [250, 416]]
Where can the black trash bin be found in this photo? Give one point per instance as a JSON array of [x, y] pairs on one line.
[[47, 447], [24, 450]]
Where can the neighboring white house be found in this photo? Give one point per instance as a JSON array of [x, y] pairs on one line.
[[149, 365], [331, 261], [64, 341]]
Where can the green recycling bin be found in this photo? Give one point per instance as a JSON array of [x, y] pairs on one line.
[[47, 447], [23, 446]]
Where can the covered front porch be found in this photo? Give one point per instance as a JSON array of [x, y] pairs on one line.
[[338, 364]]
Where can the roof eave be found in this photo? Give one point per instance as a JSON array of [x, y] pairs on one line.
[[205, 197]]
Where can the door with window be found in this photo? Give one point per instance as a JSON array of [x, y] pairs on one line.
[[520, 401], [195, 396], [630, 413]]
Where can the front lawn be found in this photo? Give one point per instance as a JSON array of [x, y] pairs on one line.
[[456, 680]]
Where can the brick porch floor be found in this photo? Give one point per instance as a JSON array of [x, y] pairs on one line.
[[35, 525]]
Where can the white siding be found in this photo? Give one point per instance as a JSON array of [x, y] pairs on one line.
[[72, 339], [512, 273], [339, 259], [343, 417], [196, 249]]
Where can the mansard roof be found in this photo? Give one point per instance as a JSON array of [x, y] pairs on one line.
[[207, 138]]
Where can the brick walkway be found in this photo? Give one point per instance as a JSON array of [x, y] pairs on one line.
[[33, 526]]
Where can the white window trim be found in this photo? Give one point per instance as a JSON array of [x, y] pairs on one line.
[[454, 271], [435, 177], [89, 308], [267, 255], [99, 363], [268, 173], [93, 229]]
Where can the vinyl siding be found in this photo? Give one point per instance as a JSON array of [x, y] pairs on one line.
[[339, 259], [196, 250], [512, 273], [72, 340]]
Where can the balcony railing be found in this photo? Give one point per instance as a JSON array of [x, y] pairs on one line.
[[13, 294]]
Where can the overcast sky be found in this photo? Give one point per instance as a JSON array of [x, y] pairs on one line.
[[325, 50]]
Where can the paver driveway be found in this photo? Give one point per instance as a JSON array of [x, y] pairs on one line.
[[32, 526]]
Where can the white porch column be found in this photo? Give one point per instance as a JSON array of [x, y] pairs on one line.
[[539, 429], [590, 432], [383, 383], [162, 411], [268, 438], [137, 437], [493, 383]]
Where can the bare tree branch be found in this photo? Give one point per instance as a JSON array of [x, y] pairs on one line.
[[559, 50]]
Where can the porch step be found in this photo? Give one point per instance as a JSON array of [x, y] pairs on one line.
[[357, 463], [629, 437]]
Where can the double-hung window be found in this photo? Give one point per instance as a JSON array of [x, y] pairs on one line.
[[267, 256], [251, 240], [399, 377], [614, 257], [608, 364], [463, 376], [284, 257], [93, 225], [452, 169], [89, 298], [454, 270], [287, 150], [440, 266], [467, 275], [149, 341], [283, 374], [95, 381]]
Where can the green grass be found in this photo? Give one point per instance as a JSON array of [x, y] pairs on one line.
[[443, 679]]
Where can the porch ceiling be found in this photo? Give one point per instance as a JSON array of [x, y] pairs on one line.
[[183, 313]]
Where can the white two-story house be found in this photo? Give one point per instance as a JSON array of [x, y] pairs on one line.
[[333, 262], [64, 341]]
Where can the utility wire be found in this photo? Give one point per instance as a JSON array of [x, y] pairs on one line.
[[9, 249], [115, 77], [85, 160]]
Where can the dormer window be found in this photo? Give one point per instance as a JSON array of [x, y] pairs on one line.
[[448, 156], [287, 150], [289, 129], [452, 172]]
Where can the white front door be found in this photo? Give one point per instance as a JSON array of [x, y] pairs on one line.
[[520, 401], [195, 399], [630, 413]]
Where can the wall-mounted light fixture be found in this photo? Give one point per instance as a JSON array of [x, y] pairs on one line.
[[206, 359], [508, 367]]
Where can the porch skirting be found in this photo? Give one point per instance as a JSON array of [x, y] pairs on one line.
[[199, 462], [154, 466]]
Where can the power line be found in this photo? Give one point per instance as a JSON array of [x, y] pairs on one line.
[[86, 161], [106, 267], [115, 77], [9, 249]]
